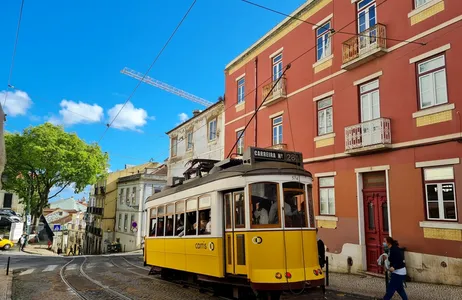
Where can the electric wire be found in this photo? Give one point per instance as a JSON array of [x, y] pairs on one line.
[[14, 52], [320, 26], [150, 67]]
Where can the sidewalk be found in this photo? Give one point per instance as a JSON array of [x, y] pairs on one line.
[[39, 250], [375, 287], [5, 284]]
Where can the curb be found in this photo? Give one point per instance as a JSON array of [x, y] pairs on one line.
[[9, 285]]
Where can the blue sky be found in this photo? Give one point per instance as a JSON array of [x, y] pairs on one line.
[[70, 54]]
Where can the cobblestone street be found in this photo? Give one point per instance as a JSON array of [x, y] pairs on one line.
[[108, 277]]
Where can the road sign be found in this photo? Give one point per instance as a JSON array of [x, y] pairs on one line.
[[57, 227], [29, 220]]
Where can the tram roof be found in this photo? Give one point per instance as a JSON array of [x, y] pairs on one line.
[[259, 168]]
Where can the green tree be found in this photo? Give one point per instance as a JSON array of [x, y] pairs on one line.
[[46, 156]]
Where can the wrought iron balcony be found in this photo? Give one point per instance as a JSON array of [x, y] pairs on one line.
[[368, 136], [278, 93], [366, 46]]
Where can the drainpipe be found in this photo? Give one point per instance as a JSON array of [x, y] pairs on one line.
[[256, 104]]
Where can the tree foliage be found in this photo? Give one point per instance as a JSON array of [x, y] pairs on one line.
[[46, 156]]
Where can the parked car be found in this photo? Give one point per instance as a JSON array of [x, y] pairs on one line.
[[11, 214], [5, 244], [5, 222]]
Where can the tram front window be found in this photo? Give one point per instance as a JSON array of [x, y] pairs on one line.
[[294, 204], [264, 204]]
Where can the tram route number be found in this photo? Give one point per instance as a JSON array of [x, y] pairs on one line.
[[296, 177], [205, 246]]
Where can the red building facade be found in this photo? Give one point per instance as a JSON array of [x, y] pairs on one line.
[[372, 100]]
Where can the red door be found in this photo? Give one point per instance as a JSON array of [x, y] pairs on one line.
[[376, 226]]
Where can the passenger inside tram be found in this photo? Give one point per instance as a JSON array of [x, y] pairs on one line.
[[204, 219], [191, 224], [169, 226]]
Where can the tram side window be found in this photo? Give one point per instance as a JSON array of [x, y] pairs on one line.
[[205, 220], [264, 204], [169, 220], [153, 219], [179, 218], [160, 221], [294, 204], [228, 210], [310, 205], [191, 217]]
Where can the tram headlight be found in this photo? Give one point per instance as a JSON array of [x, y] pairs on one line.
[[278, 275], [315, 272], [288, 275]]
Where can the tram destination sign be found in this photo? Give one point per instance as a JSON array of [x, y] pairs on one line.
[[261, 154]]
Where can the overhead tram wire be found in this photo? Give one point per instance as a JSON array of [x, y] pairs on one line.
[[264, 81], [332, 30], [149, 69], [258, 108], [14, 52]]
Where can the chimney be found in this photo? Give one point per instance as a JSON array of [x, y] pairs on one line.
[[196, 112]]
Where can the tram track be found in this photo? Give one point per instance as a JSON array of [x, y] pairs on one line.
[[89, 289]]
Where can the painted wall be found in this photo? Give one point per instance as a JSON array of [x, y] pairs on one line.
[[413, 138], [15, 205], [202, 147]]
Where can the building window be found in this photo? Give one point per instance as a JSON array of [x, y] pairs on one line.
[[277, 66], [370, 101], [367, 19], [134, 195], [174, 146], [432, 82], [323, 44], [440, 193], [240, 90], [121, 196], [7, 200], [325, 116], [213, 130], [132, 219], [240, 142], [326, 196], [277, 130], [120, 222], [419, 3], [189, 140], [125, 222]]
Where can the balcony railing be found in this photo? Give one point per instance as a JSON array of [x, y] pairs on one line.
[[368, 136], [279, 92], [368, 44]]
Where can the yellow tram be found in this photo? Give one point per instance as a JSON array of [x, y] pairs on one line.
[[246, 224]]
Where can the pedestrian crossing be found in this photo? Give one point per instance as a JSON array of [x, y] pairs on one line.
[[70, 267]]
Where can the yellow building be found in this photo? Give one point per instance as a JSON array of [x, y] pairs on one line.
[[101, 211]]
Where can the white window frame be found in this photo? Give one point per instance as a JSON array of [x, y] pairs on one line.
[[277, 66], [439, 184], [240, 142], [330, 189], [419, 3], [431, 73], [368, 89], [325, 40], [189, 140], [277, 124], [212, 135], [322, 111], [174, 146], [241, 90]]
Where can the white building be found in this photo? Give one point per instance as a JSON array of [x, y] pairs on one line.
[[11, 201], [132, 192], [202, 136]]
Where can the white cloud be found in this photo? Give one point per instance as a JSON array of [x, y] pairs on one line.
[[74, 113], [130, 118], [183, 117], [17, 103]]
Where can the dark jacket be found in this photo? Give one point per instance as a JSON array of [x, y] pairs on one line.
[[396, 258], [321, 253]]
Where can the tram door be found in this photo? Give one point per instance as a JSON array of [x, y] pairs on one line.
[[234, 233]]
